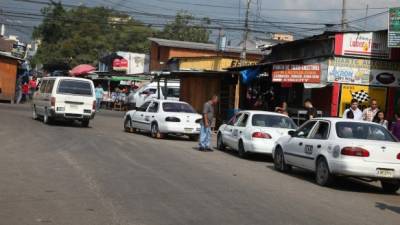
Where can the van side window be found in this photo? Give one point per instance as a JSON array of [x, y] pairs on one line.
[[49, 86], [43, 86]]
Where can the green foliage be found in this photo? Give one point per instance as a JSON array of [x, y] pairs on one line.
[[184, 28], [83, 35]]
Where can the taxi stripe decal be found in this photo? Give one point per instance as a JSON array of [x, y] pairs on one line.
[[300, 156]]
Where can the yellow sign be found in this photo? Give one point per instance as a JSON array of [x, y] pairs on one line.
[[210, 63], [378, 93]]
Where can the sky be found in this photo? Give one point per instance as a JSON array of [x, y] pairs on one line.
[[268, 15]]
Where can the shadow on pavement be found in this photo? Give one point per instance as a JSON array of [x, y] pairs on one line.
[[251, 157], [341, 183], [384, 206]]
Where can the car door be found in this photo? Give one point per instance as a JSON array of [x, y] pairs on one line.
[[238, 130], [317, 142], [39, 98], [228, 129], [294, 148], [138, 119], [151, 114]]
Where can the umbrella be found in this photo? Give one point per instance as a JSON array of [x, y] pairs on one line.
[[82, 69]]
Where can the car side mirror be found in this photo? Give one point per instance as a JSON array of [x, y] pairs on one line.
[[292, 133]]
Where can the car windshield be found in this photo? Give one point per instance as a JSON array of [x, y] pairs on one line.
[[171, 92], [75, 87], [262, 120], [365, 131], [177, 107]]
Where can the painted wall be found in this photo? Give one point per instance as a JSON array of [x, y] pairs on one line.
[[8, 75]]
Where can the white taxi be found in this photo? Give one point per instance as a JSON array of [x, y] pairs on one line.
[[161, 117], [338, 147], [253, 132]]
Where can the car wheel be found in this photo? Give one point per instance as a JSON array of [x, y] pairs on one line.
[[390, 187], [242, 153], [85, 123], [34, 113], [323, 176], [279, 161], [155, 132], [46, 118], [220, 143], [194, 137]]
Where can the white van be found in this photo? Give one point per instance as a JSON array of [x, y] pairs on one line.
[[64, 98], [149, 91]]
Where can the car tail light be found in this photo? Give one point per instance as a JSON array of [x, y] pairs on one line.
[[355, 151], [53, 101], [398, 156], [261, 135], [172, 119], [94, 105]]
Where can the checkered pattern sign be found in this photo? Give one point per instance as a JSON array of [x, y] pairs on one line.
[[361, 96]]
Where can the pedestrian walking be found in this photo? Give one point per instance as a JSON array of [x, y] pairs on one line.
[[208, 117], [354, 111], [32, 87], [395, 129], [25, 92], [131, 100], [370, 112], [311, 111], [380, 119], [99, 96]]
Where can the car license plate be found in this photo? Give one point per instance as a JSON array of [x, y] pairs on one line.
[[388, 173], [188, 129], [73, 106]]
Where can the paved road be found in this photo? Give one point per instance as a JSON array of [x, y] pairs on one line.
[[65, 174]]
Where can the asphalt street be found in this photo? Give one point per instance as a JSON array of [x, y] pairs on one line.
[[65, 174]]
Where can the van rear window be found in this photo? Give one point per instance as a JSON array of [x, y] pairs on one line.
[[75, 87]]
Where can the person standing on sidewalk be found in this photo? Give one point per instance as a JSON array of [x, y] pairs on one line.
[[370, 113], [357, 114], [99, 96], [208, 117]]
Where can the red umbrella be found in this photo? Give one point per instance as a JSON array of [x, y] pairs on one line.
[[82, 69]]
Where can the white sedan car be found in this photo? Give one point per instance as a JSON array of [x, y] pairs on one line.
[[161, 117], [338, 147], [253, 132]]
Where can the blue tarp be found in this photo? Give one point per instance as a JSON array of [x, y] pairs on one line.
[[249, 75]]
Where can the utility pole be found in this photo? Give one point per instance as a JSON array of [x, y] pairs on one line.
[[246, 34], [243, 54], [366, 15], [344, 20]]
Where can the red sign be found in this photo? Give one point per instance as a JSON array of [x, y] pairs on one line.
[[296, 73], [120, 64]]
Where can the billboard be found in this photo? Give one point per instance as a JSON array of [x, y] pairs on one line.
[[136, 63], [364, 44], [364, 72], [296, 73], [394, 28]]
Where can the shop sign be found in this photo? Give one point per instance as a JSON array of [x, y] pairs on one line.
[[237, 63], [348, 91], [394, 28], [367, 45], [364, 71], [296, 73], [120, 64]]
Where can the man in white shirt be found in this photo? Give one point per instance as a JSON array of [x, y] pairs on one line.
[[358, 115]]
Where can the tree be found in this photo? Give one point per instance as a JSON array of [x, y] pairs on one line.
[[184, 28], [83, 35]]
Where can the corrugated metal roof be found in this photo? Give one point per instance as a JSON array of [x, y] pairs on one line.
[[200, 46], [8, 55]]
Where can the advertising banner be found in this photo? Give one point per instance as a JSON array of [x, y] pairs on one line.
[[365, 44], [296, 73], [394, 28], [364, 71], [349, 91]]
